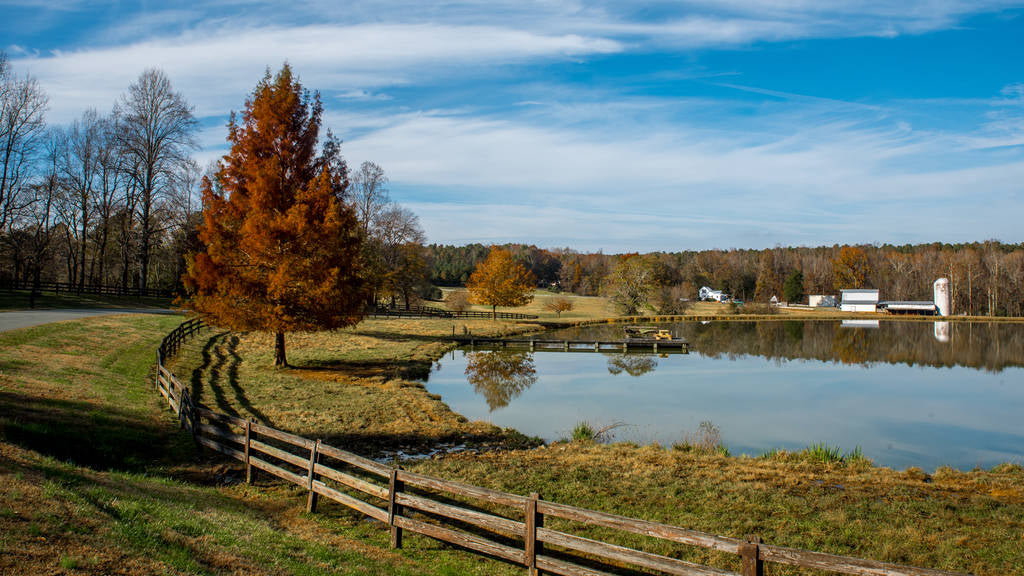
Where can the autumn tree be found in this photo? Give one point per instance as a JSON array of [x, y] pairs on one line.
[[851, 268], [632, 282], [767, 280], [559, 305], [281, 247], [501, 281]]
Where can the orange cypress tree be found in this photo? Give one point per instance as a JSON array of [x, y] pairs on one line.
[[281, 247]]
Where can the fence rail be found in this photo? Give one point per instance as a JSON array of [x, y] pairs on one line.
[[97, 289], [498, 524], [434, 312]]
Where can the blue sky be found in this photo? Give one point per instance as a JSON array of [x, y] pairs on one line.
[[611, 126]]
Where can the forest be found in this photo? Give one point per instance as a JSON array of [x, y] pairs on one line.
[[986, 278]]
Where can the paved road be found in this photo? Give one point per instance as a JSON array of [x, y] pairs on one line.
[[24, 318]]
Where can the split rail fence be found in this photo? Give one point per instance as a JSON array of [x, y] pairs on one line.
[[72, 288], [434, 312], [497, 524]]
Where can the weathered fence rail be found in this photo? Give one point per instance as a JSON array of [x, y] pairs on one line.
[[434, 312], [498, 524], [97, 289]]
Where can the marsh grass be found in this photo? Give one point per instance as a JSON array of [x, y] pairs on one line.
[[707, 439]]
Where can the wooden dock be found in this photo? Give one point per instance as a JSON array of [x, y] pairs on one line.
[[535, 344]]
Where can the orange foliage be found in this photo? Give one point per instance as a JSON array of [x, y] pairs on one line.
[[281, 249], [501, 281]]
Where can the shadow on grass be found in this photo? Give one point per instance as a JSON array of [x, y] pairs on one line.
[[220, 359], [99, 437], [405, 369]]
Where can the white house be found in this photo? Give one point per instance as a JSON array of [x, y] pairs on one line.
[[860, 300], [706, 293], [822, 300]]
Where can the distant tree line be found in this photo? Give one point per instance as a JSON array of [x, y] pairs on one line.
[[986, 278]]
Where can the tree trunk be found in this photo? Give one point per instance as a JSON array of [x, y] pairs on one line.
[[279, 356], [494, 312]]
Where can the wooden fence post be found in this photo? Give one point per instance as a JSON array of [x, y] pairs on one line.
[[749, 553], [248, 439], [394, 509], [314, 455], [534, 520]]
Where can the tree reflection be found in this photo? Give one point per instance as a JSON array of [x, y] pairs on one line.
[[500, 376], [632, 364]]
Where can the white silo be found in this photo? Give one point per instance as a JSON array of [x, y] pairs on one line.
[[942, 303]]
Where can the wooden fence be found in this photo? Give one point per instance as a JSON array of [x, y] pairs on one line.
[[434, 312], [497, 524], [99, 289]]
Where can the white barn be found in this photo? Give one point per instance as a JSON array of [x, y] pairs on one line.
[[822, 301], [860, 300]]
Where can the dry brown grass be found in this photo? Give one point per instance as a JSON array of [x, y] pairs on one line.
[[361, 388], [961, 521]]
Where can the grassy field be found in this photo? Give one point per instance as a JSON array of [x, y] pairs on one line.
[[96, 478], [356, 387], [19, 300]]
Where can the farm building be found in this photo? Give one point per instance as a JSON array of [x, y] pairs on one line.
[[912, 307], [706, 293], [822, 301], [859, 300]]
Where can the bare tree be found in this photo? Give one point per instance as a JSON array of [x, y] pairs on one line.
[[22, 108], [79, 167], [111, 180], [396, 240], [157, 131], [370, 194], [39, 218]]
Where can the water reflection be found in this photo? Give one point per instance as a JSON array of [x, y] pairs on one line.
[[984, 345], [900, 392], [632, 364], [500, 376]]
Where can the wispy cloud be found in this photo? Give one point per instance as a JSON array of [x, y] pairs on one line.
[[217, 67]]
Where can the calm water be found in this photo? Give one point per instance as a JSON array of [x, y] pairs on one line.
[[908, 393]]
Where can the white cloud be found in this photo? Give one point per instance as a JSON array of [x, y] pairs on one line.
[[636, 187], [216, 68]]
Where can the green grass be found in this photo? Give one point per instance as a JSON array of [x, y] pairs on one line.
[[97, 478], [19, 300], [583, 432]]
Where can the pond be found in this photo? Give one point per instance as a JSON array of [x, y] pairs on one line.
[[923, 394]]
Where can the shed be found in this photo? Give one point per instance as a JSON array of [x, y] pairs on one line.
[[859, 300], [822, 300]]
